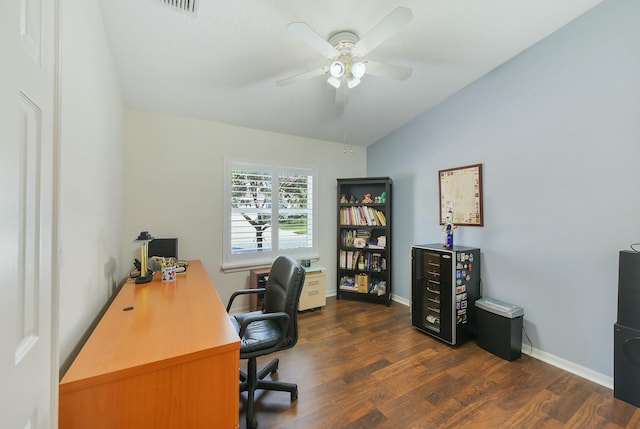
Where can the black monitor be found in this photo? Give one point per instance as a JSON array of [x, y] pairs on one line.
[[164, 247]]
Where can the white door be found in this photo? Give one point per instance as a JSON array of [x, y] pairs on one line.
[[28, 372]]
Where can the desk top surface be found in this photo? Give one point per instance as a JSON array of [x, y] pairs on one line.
[[154, 325]]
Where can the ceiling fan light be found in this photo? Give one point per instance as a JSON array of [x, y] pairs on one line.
[[334, 82], [357, 70], [352, 82], [337, 69]]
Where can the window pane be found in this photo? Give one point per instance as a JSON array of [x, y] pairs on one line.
[[250, 232], [295, 214], [250, 189], [250, 211], [295, 231], [294, 190]]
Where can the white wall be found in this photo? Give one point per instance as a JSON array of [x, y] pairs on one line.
[[557, 130], [91, 173], [174, 185]]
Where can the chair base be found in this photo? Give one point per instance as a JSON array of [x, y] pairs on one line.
[[253, 380]]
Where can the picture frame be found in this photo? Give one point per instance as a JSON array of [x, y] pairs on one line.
[[460, 190]]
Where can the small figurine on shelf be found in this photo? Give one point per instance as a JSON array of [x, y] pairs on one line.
[[352, 200], [447, 229], [383, 198], [367, 199], [343, 199]]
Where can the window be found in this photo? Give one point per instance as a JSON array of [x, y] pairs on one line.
[[269, 211]]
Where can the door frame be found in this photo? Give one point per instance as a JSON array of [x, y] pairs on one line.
[[55, 239]]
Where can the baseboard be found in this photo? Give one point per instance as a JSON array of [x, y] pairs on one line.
[[400, 300], [571, 367]]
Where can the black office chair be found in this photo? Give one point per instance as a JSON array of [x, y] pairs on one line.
[[271, 329]]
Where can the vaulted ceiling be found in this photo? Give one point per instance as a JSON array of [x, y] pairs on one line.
[[221, 62]]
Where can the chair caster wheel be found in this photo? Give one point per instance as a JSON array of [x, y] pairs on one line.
[[294, 396], [253, 425]]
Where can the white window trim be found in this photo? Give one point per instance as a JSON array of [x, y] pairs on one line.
[[242, 262]]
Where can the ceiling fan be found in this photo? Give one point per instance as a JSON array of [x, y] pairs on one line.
[[345, 50]]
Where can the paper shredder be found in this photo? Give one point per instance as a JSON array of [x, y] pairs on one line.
[[499, 327]]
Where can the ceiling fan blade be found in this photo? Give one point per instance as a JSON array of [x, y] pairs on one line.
[[392, 71], [313, 39], [303, 76], [381, 32]]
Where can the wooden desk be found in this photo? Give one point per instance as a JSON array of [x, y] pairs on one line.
[[170, 362]]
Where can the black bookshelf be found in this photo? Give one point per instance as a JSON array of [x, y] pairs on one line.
[[364, 239]]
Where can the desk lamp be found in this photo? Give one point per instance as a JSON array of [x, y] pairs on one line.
[[145, 274]]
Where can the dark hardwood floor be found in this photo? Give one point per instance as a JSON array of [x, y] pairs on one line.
[[362, 365]]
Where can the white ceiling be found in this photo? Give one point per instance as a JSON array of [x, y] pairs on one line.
[[222, 63]]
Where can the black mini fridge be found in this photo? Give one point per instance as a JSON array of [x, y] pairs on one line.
[[626, 338], [445, 283]]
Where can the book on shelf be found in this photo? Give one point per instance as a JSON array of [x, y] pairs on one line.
[[362, 215], [351, 260], [362, 260], [352, 237]]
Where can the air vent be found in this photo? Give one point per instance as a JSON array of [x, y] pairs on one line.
[[187, 6]]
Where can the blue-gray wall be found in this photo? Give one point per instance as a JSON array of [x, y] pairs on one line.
[[557, 130]]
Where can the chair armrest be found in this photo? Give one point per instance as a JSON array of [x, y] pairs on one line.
[[243, 292]]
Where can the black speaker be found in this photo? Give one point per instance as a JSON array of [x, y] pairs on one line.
[[626, 364], [629, 289]]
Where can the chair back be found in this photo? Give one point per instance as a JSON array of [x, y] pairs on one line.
[[282, 293]]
